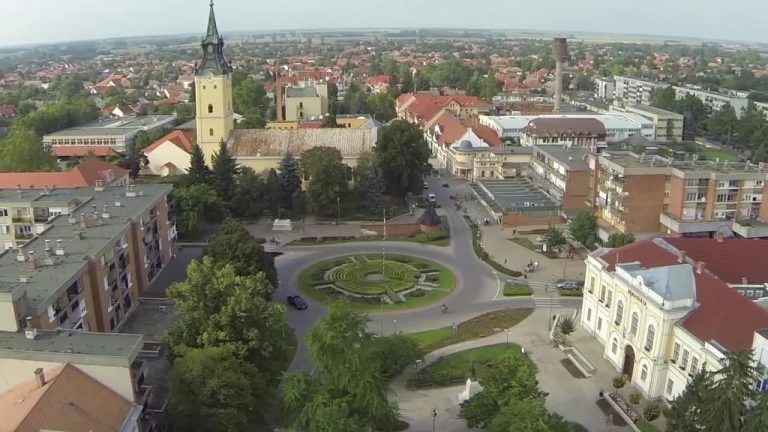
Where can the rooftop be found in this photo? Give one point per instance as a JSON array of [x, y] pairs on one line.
[[54, 273], [565, 125], [753, 254], [512, 195], [573, 158], [717, 303], [84, 174], [656, 111], [76, 347], [674, 282], [301, 92], [275, 143], [629, 160], [114, 127]]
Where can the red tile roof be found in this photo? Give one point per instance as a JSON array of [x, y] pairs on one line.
[[752, 262], [7, 111], [310, 125], [82, 151], [722, 315], [378, 79], [488, 135], [84, 174], [451, 128], [181, 139]]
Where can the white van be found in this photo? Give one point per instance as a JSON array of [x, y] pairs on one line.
[[431, 198]]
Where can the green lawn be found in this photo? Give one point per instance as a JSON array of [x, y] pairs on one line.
[[528, 244], [456, 368], [715, 153], [478, 327], [311, 276], [516, 290]]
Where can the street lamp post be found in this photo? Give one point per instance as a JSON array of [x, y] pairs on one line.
[[434, 419], [338, 214], [381, 300], [394, 324]]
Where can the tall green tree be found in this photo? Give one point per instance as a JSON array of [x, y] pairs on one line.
[[198, 172], [584, 228], [272, 192], [382, 107], [250, 193], [723, 123], [685, 413], [664, 98], [249, 97], [732, 388], [554, 238], [224, 173], [328, 179], [212, 390], [756, 420], [23, 151], [289, 179], [216, 307], [195, 204], [521, 415], [369, 184], [234, 245], [403, 157]]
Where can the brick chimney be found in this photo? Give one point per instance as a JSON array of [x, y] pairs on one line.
[[700, 267], [40, 376], [720, 237], [744, 281]]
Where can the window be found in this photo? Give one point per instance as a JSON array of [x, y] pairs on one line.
[[5, 229], [634, 324], [301, 105], [650, 335], [676, 353], [619, 312], [644, 373], [684, 361], [210, 108], [694, 365], [670, 386], [589, 314], [210, 131], [599, 324], [608, 299], [3, 212], [614, 346], [602, 293]]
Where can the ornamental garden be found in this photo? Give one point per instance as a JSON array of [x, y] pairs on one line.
[[372, 281]]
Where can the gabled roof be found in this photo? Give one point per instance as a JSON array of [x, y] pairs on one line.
[[722, 314], [85, 174], [488, 135], [565, 126], [451, 129], [181, 139], [70, 400], [82, 151], [731, 260]]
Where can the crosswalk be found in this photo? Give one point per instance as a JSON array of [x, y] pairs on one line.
[[546, 302]]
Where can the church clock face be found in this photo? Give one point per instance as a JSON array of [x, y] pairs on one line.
[[210, 48]]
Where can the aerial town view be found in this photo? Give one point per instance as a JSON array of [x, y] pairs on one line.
[[353, 217]]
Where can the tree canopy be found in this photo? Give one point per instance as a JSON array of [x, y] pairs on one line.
[[382, 107], [289, 179], [369, 184], [234, 245], [584, 228], [328, 179], [224, 173], [195, 204], [403, 157]]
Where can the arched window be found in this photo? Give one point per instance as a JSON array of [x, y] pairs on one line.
[[614, 346], [619, 312], [649, 337], [210, 108], [644, 373], [634, 324], [210, 131]]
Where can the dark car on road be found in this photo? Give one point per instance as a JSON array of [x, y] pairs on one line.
[[297, 302], [445, 185]]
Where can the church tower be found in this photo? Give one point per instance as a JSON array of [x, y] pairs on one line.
[[213, 92]]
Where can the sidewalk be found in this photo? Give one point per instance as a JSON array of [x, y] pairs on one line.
[[572, 398]]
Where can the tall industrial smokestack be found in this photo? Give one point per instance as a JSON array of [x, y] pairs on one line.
[[560, 52]]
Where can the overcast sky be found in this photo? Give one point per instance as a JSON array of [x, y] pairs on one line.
[[39, 21]]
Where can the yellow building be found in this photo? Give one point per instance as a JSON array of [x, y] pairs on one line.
[[308, 102], [282, 125], [213, 89], [669, 125]]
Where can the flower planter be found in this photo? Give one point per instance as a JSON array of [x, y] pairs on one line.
[[624, 409]]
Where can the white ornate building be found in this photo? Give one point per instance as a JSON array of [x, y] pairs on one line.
[[662, 315]]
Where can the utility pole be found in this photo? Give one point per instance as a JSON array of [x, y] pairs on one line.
[[338, 214], [434, 419], [384, 241]]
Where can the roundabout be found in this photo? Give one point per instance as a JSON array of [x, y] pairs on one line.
[[369, 282]]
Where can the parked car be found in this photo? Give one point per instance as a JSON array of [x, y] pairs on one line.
[[297, 302], [426, 186], [431, 198], [570, 285], [445, 185]]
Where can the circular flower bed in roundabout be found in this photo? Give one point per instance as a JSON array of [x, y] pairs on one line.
[[369, 282]]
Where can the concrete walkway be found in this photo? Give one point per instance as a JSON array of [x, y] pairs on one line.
[[575, 399]]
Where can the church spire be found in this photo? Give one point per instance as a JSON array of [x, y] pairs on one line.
[[212, 34]]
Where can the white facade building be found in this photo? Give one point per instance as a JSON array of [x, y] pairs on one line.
[[714, 101], [633, 91], [618, 126], [605, 88]]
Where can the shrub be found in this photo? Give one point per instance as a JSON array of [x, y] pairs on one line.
[[619, 381], [392, 354], [418, 292], [652, 411], [635, 397], [432, 278], [571, 293], [514, 290]]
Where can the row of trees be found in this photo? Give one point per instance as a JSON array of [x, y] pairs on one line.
[[231, 345], [511, 400], [722, 401], [357, 101]]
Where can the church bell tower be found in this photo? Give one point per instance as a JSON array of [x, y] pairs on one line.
[[213, 92]]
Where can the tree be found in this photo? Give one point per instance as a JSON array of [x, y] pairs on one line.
[[664, 98], [211, 389], [195, 204], [617, 240], [369, 184], [224, 171], [566, 326], [289, 179], [403, 156], [757, 418], [723, 123], [216, 307], [328, 179], [329, 122], [272, 192], [725, 403], [382, 107], [198, 172], [521, 415], [250, 193], [234, 245], [23, 151], [584, 228], [249, 96], [554, 238]]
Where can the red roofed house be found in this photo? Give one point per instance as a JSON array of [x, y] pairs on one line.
[[663, 309], [421, 107], [87, 173], [7, 111], [378, 83], [170, 154]]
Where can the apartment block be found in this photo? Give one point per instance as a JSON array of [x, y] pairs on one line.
[[644, 194], [714, 101], [669, 125], [85, 267], [564, 173], [605, 88], [633, 91]]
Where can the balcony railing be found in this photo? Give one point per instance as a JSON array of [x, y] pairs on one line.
[[23, 236], [20, 219]]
